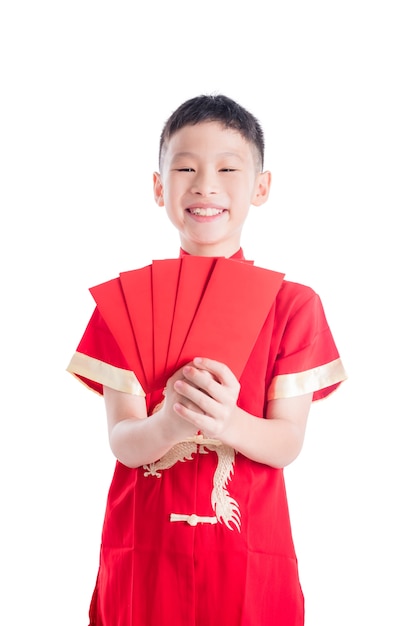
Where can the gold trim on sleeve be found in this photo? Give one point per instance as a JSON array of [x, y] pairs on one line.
[[291, 385], [105, 374]]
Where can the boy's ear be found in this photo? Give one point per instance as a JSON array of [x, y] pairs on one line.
[[158, 189], [262, 188]]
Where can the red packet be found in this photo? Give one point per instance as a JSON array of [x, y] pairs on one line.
[[165, 279], [112, 306], [194, 275], [137, 290], [165, 314], [232, 312]]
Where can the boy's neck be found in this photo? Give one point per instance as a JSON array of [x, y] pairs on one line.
[[238, 255]]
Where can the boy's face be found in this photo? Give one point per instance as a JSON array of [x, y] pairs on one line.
[[208, 182]]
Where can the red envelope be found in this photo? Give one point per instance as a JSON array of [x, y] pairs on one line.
[[137, 289], [112, 306], [194, 276], [232, 312], [166, 313], [165, 279]]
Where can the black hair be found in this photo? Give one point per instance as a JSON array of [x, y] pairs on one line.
[[215, 108]]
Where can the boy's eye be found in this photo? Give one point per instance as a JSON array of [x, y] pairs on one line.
[[185, 169], [227, 169]]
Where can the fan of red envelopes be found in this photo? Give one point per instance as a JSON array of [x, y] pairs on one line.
[[166, 313]]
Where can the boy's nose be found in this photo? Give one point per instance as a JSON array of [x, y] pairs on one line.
[[204, 184]]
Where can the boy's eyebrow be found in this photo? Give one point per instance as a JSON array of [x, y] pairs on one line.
[[177, 155]]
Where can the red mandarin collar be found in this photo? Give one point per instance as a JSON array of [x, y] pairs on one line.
[[238, 256]]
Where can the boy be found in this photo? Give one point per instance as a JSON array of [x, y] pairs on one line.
[[196, 529]]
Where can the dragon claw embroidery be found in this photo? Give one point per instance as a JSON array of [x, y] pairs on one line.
[[224, 506]]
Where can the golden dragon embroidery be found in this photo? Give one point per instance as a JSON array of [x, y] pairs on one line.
[[224, 506]]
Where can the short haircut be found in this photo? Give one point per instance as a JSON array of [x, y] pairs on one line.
[[215, 108]]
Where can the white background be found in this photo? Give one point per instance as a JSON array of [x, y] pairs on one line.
[[86, 87]]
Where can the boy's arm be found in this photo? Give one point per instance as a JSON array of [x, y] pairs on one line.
[[136, 439], [204, 398], [275, 441]]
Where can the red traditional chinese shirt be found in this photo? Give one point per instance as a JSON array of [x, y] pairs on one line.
[[202, 536]]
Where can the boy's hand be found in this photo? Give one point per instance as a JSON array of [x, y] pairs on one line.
[[208, 393], [179, 428]]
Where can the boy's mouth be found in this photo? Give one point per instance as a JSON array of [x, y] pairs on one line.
[[205, 211]]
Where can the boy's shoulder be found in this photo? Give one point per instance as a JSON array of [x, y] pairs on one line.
[[295, 295], [295, 288]]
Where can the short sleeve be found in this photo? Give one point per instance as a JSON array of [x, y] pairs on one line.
[[307, 359], [99, 361]]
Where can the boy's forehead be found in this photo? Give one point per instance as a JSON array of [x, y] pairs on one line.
[[212, 135]]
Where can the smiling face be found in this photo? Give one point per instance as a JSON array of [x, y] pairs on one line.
[[208, 181]]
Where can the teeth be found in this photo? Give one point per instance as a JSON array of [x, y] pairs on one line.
[[205, 212]]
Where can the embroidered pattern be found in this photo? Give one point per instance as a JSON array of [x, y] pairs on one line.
[[180, 452], [224, 506]]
